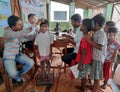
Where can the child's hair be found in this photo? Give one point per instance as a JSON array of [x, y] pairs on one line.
[[88, 23], [112, 30], [30, 15], [44, 22], [110, 24], [99, 19], [76, 17], [12, 20]]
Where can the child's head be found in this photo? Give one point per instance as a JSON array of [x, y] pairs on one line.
[[112, 31], [15, 23], [76, 20], [44, 26], [87, 25], [99, 21], [31, 18], [109, 24]]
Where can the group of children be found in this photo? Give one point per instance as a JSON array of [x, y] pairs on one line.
[[97, 52]]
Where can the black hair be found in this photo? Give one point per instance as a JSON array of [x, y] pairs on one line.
[[30, 15], [76, 17], [88, 23], [44, 22], [99, 19], [12, 20], [110, 23], [112, 30]]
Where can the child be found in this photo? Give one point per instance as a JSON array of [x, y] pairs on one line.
[[84, 55], [42, 44], [32, 34], [99, 44], [112, 48], [12, 50], [108, 25]]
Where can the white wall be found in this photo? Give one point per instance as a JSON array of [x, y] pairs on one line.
[[62, 7], [59, 7]]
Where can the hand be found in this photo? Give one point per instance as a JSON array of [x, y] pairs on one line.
[[6, 28], [38, 56], [30, 29], [39, 21], [64, 35]]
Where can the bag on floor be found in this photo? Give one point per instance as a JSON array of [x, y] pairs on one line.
[[116, 77]]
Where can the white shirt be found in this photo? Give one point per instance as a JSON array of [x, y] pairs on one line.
[[77, 38], [43, 41], [99, 37], [31, 35]]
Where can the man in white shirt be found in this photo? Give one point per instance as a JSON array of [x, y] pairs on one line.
[[72, 52]]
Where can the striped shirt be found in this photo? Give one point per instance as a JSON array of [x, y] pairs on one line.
[[99, 37], [13, 42]]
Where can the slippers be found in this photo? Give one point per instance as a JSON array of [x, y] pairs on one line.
[[104, 86]]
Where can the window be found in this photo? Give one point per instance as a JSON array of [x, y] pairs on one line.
[[60, 15]]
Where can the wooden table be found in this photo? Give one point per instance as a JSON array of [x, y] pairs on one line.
[[60, 44]]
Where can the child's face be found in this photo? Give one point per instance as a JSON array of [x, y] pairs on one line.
[[96, 27], [83, 29], [106, 28], [111, 36], [32, 19], [44, 28], [18, 26]]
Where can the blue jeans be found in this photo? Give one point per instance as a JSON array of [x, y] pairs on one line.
[[10, 66]]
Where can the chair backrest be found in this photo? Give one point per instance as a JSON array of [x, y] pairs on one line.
[[1, 46]]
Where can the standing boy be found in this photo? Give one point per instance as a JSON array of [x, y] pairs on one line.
[[99, 44], [42, 44], [112, 48], [84, 55]]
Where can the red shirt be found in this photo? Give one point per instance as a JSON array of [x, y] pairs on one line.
[[84, 44]]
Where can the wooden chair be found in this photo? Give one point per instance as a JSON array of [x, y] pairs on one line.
[[58, 45], [2, 69]]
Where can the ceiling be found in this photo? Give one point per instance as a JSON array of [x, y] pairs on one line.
[[88, 3]]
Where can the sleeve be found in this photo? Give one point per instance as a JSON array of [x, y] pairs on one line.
[[83, 43], [78, 36], [10, 34], [101, 38]]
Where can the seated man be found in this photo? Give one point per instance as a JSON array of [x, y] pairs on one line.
[[72, 52], [12, 50]]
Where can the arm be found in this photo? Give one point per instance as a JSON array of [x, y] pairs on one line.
[[71, 41], [10, 34], [36, 52], [97, 46], [83, 54]]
